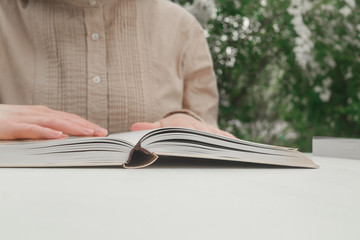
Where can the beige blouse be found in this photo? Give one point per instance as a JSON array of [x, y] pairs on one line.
[[114, 62]]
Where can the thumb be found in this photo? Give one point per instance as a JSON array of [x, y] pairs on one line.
[[145, 126]]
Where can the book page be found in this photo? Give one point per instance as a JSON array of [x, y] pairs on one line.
[[65, 152], [131, 137], [197, 144]]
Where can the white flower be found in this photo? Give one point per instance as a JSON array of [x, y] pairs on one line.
[[327, 82], [351, 3], [345, 11], [246, 23], [348, 74], [329, 8], [304, 44], [325, 96], [330, 61], [203, 10], [317, 89], [324, 90]]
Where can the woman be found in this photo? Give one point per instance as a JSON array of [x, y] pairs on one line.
[[121, 64]]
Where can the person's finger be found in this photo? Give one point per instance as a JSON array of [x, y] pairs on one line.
[[30, 131], [145, 126], [216, 131], [66, 122], [227, 134], [98, 131], [221, 132], [44, 111], [62, 125], [201, 126]]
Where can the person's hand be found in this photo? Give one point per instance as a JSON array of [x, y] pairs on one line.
[[180, 120], [40, 122]]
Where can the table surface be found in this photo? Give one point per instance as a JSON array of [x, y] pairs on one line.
[[182, 200]]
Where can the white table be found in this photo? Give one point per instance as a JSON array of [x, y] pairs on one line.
[[182, 201]]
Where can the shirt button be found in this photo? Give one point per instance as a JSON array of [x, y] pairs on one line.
[[95, 36], [92, 2], [96, 79]]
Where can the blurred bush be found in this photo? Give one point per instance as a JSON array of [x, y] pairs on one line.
[[287, 70]]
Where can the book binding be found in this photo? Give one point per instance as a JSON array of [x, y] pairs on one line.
[[140, 158]]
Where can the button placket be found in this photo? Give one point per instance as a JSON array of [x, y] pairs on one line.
[[97, 90]]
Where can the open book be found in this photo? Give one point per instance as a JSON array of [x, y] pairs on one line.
[[140, 149]]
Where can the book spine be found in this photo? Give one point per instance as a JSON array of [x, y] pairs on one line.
[[139, 158]]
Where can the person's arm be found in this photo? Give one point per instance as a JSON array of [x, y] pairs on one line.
[[200, 86], [200, 100], [40, 122]]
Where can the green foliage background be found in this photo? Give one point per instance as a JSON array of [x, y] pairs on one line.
[[267, 93]]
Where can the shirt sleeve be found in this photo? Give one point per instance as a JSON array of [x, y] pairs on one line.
[[200, 88]]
